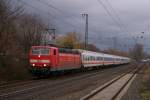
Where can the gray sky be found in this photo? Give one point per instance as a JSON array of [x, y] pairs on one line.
[[134, 18]]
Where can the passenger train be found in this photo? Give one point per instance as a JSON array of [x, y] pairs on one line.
[[46, 59]]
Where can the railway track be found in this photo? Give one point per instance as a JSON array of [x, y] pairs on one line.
[[14, 84], [31, 90], [31, 85], [102, 93], [36, 81]]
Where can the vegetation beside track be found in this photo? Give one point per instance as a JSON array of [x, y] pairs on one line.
[[13, 69], [20, 30], [145, 90]]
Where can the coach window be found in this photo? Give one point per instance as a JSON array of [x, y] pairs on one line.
[[92, 58], [84, 57], [98, 58], [88, 58]]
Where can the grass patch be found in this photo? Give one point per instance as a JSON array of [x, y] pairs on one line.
[[145, 90], [145, 95]]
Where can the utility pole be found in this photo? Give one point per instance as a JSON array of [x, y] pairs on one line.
[[86, 30]]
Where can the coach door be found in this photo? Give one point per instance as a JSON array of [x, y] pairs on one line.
[[55, 56]]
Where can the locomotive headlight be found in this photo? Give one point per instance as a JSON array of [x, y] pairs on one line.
[[45, 61], [33, 64], [33, 61], [44, 65]]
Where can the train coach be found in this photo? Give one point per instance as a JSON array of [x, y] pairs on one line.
[[91, 59], [46, 59]]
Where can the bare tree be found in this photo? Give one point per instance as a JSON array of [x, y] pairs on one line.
[[137, 52], [31, 31], [8, 14]]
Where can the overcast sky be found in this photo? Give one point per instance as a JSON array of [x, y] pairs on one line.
[[125, 21]]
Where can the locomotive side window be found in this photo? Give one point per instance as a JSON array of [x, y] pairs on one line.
[[60, 50], [44, 51]]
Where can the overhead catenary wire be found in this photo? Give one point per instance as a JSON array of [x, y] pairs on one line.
[[55, 8], [117, 16], [117, 20], [50, 5], [52, 16], [64, 13], [109, 13]]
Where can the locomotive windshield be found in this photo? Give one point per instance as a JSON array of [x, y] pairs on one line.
[[40, 51]]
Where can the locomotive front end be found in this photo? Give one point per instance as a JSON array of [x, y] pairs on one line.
[[39, 59]]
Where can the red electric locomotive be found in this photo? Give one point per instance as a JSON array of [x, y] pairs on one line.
[[46, 59]]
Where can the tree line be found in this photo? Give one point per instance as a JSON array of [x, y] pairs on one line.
[[19, 30]]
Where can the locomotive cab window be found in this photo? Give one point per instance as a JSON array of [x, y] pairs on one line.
[[40, 51]]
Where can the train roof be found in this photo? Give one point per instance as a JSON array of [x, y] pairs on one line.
[[86, 51], [89, 52], [41, 46], [104, 54]]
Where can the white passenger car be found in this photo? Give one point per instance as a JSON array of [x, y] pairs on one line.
[[94, 59]]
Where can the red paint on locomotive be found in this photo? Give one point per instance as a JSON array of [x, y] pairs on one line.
[[54, 58]]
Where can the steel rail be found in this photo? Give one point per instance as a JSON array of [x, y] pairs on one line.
[[95, 92]]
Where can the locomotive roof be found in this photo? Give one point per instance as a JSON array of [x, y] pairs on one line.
[[40, 46]]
